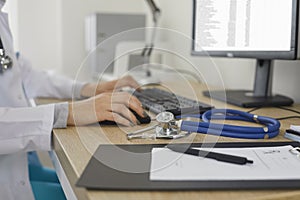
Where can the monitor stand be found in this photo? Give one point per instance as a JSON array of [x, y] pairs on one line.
[[261, 96]]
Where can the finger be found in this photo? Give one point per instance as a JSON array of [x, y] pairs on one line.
[[132, 83], [137, 107], [130, 101], [106, 87], [127, 81], [124, 111], [119, 119], [124, 97], [120, 102]]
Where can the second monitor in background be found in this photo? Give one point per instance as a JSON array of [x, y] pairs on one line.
[[129, 59], [104, 31]]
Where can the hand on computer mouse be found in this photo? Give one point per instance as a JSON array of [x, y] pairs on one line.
[[112, 106], [145, 119]]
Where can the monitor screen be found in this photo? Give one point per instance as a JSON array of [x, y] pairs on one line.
[[262, 29]]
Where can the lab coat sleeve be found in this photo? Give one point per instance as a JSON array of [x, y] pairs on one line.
[[61, 113], [46, 84], [26, 128]]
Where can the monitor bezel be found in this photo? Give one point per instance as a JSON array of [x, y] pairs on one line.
[[285, 55]]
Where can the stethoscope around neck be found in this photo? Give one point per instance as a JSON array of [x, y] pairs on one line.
[[170, 128], [5, 61]]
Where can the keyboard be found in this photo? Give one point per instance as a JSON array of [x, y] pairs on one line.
[[157, 100]]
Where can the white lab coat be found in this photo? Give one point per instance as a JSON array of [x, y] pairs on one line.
[[23, 129]]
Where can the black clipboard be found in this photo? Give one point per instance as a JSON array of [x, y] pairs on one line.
[[128, 159]]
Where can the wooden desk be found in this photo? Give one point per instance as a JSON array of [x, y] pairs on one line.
[[74, 147]]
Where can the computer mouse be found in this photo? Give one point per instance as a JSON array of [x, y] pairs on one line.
[[143, 120]]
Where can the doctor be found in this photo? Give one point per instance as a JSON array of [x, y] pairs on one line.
[[24, 129]]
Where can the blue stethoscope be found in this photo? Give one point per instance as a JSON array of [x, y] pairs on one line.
[[170, 128], [270, 129]]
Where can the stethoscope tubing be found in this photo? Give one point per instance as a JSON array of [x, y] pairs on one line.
[[271, 130], [219, 132]]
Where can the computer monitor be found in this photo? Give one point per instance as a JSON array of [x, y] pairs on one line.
[[261, 29]]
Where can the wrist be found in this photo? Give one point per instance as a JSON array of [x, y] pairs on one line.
[[88, 90], [70, 119]]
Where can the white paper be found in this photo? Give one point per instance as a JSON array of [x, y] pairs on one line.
[[269, 163]]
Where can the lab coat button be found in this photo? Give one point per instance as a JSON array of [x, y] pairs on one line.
[[20, 97], [22, 182]]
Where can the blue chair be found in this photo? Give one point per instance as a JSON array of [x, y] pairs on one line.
[[44, 181]]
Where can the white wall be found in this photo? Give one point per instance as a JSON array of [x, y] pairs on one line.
[[51, 34], [11, 7], [73, 14], [36, 33]]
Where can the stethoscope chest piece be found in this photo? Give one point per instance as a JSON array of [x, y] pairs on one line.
[[166, 124], [168, 127]]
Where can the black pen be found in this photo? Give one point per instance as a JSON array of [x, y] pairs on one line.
[[291, 131], [207, 154]]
